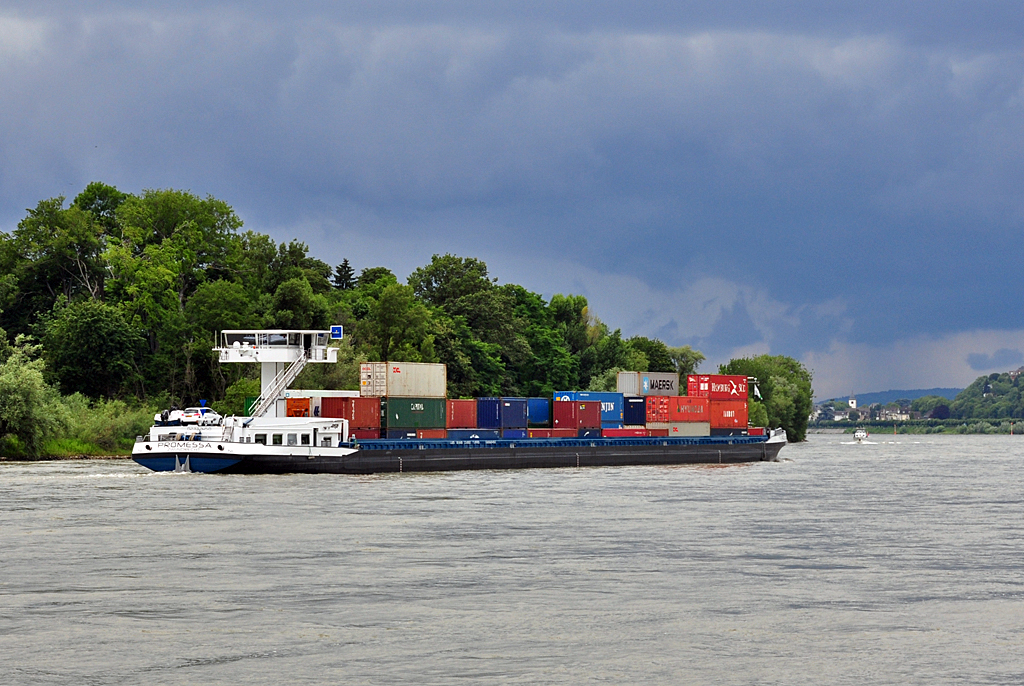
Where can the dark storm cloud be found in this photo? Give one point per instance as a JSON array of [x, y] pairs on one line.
[[782, 175]]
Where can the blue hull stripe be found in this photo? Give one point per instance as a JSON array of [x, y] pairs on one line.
[[162, 463]]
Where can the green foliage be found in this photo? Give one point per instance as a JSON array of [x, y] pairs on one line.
[[235, 395], [785, 388], [686, 361], [91, 349], [104, 427], [757, 414], [30, 409], [344, 276], [996, 396]]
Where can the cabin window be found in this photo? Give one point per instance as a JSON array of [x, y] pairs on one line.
[[277, 339], [261, 438], [305, 439], [293, 439], [278, 439]]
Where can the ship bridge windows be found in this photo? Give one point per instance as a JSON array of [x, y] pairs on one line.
[[242, 339], [261, 438]]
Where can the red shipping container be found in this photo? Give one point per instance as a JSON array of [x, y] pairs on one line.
[[564, 433], [755, 431], [461, 414], [431, 433], [657, 433], [657, 408], [361, 413], [566, 414], [717, 386], [364, 434], [728, 414], [623, 433], [683, 408], [539, 433]]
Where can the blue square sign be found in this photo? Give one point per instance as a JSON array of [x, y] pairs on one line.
[[336, 332]]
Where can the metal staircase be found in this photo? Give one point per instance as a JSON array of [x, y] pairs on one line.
[[281, 383]]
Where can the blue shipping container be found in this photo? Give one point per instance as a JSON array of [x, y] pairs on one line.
[[589, 433], [611, 425], [488, 413], [513, 413], [402, 434], [611, 404], [634, 410], [514, 433], [473, 434], [538, 412]]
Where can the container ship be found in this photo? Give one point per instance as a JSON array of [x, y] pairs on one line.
[[401, 421]]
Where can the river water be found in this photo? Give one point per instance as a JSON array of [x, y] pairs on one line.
[[897, 562]]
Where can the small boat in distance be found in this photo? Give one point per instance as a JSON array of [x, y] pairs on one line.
[[860, 435]]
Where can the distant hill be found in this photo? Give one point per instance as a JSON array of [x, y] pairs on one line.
[[884, 397]]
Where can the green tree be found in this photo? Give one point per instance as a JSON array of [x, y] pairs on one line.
[[685, 360], [30, 409], [659, 356], [92, 349], [785, 387], [344, 276], [397, 327]]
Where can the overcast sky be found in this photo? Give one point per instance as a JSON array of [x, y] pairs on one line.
[[839, 182]]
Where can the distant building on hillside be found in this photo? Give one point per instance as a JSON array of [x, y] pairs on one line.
[[853, 402]]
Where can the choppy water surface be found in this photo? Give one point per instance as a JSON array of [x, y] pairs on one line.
[[891, 563]]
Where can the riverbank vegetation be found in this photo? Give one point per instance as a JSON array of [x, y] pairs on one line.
[[110, 305]]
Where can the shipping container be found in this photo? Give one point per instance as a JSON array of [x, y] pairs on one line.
[[513, 414], [473, 434], [657, 408], [683, 408], [364, 434], [539, 433], [611, 403], [657, 433], [689, 429], [588, 433], [728, 414], [564, 433], [611, 425], [623, 433], [400, 434], [461, 414], [538, 412], [514, 433], [416, 413], [297, 407], [488, 413], [403, 380], [647, 383], [717, 386], [431, 433], [361, 413], [634, 410], [755, 431], [657, 425], [250, 402], [577, 415]]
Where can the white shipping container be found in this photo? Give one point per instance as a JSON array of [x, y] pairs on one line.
[[689, 429], [647, 383], [403, 380]]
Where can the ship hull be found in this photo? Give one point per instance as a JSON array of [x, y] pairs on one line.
[[432, 456]]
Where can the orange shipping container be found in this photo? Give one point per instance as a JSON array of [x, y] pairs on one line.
[[728, 414], [297, 407], [431, 433], [683, 408], [657, 408]]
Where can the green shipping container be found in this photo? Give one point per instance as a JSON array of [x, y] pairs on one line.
[[249, 404], [413, 413]]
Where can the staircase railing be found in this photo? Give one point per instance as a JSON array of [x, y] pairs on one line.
[[281, 382]]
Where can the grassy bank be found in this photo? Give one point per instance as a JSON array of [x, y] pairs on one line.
[[79, 428], [931, 426]]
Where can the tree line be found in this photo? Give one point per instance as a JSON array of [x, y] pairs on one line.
[[117, 297]]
